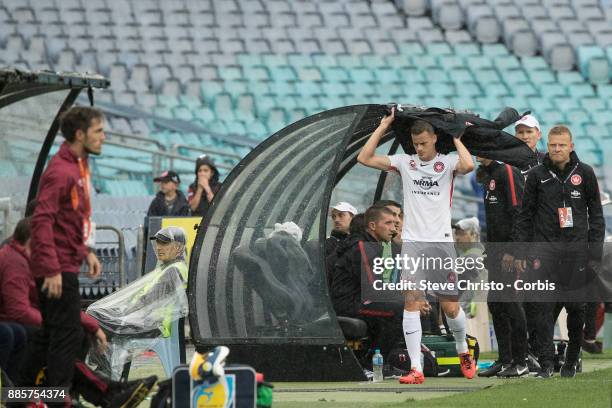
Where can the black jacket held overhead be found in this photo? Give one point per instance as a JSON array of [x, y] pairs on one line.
[[546, 190], [503, 185], [482, 137]]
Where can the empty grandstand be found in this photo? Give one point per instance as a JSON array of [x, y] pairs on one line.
[[218, 76]]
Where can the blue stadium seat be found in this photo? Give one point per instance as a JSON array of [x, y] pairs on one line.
[[534, 63], [594, 64], [593, 103], [552, 90], [335, 74], [334, 89], [553, 117], [461, 75], [441, 89], [471, 89], [361, 75], [411, 75], [209, 89], [580, 90], [386, 75], [487, 76]]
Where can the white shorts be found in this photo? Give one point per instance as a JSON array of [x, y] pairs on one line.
[[430, 265]]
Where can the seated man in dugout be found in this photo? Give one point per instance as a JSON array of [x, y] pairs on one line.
[[356, 268]]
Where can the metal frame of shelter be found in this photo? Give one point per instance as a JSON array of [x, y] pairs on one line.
[[288, 177], [17, 85]]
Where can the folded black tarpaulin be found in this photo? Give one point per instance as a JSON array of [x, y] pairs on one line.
[[482, 137]]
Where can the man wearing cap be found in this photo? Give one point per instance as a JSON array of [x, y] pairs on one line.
[[169, 201], [503, 185], [528, 130], [341, 215]]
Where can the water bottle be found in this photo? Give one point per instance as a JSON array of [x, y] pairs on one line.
[[377, 365]]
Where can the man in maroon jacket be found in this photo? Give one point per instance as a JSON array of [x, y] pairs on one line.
[[61, 230], [19, 305], [18, 293]]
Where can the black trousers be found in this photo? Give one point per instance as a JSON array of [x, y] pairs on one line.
[[510, 331], [13, 342], [543, 327], [385, 333], [575, 324], [531, 320], [60, 339], [590, 317]]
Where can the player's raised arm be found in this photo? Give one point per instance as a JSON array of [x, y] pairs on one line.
[[466, 163], [367, 156]]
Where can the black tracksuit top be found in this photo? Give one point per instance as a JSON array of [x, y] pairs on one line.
[[503, 185], [546, 190]]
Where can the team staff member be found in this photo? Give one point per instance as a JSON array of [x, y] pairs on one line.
[[528, 130], [503, 185], [61, 229], [561, 205], [354, 264], [341, 214]]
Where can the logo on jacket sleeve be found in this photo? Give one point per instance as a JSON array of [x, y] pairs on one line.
[[576, 179], [492, 185], [439, 167]]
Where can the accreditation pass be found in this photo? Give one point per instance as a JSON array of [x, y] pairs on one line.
[[27, 394]]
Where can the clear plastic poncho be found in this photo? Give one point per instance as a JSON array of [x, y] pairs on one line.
[[145, 312]]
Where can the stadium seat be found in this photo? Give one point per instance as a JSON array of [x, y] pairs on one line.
[[448, 15], [594, 64], [412, 7]]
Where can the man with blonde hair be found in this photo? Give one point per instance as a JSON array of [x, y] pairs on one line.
[[562, 208]]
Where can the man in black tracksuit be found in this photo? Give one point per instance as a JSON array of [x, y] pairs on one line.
[[354, 268], [503, 186], [528, 130], [561, 208]]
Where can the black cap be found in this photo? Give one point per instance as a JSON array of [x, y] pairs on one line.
[[168, 176]]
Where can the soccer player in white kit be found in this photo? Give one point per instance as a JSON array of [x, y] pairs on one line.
[[427, 182]]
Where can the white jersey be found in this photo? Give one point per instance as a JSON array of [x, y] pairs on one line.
[[428, 194]]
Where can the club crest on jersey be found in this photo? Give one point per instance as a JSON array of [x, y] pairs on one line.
[[492, 185], [439, 167], [576, 179], [413, 165], [426, 183]]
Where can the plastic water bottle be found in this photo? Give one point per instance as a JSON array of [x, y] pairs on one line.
[[377, 366]]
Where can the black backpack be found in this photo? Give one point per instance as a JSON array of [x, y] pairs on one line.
[[399, 358]]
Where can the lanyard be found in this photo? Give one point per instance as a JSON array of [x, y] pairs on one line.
[[564, 181], [85, 179]]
